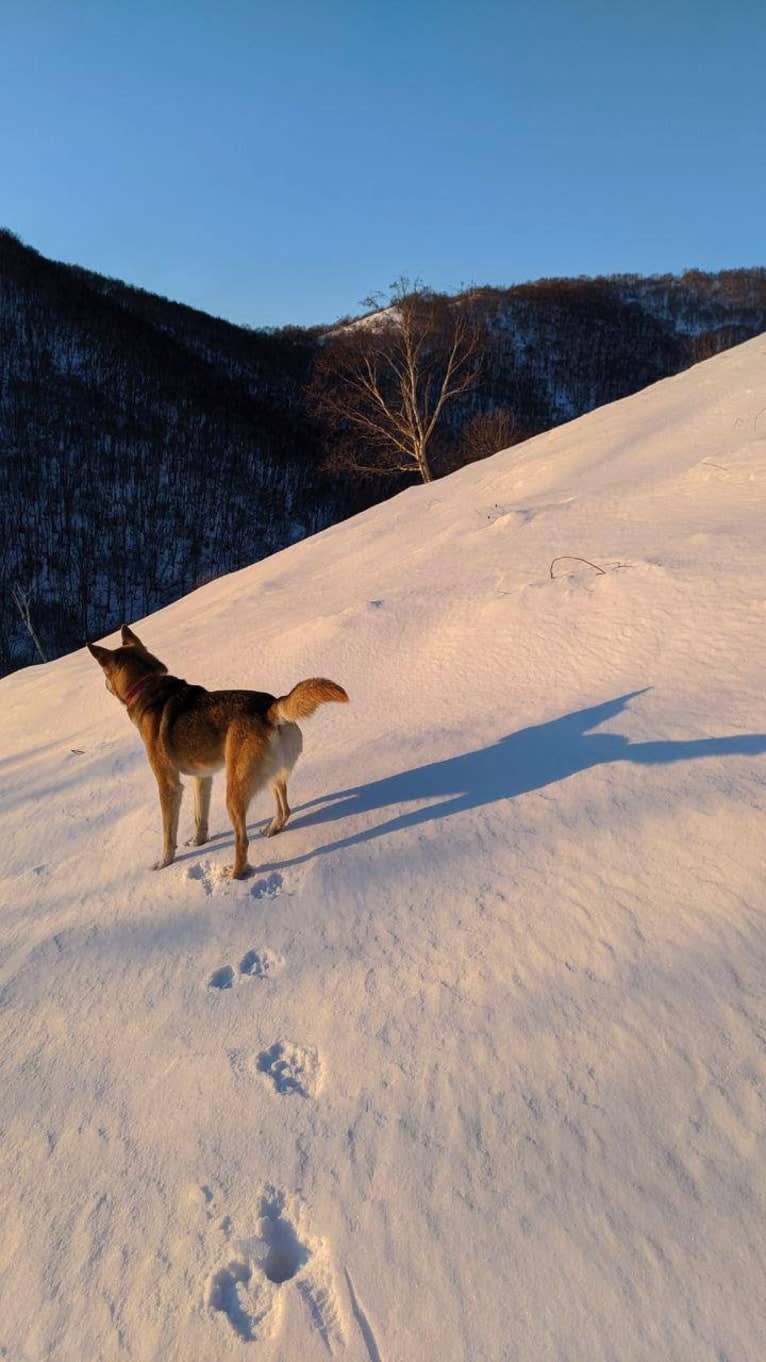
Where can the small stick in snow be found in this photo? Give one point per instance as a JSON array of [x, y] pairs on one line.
[[575, 559]]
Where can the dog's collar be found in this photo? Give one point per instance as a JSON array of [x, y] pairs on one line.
[[130, 695]]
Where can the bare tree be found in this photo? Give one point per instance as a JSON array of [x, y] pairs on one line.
[[382, 383], [489, 431], [22, 601]]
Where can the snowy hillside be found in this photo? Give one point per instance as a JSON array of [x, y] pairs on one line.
[[123, 415], [472, 1069]]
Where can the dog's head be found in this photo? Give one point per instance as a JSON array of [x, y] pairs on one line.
[[128, 666]]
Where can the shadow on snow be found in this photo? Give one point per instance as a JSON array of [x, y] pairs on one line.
[[527, 760]]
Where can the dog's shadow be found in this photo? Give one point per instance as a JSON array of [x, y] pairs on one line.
[[528, 760]]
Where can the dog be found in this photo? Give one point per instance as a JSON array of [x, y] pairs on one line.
[[188, 730]]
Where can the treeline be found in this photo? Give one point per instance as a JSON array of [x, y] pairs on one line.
[[146, 447]]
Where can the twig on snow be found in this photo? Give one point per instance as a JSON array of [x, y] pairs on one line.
[[574, 558]]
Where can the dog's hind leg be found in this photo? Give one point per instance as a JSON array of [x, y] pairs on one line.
[[237, 801], [203, 786], [280, 792], [246, 771], [282, 814]]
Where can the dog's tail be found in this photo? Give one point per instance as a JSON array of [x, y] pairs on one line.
[[304, 699]]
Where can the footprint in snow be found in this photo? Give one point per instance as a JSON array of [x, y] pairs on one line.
[[217, 879], [291, 1068], [230, 1292], [269, 887], [253, 965], [201, 873], [248, 1289], [260, 964], [222, 978]]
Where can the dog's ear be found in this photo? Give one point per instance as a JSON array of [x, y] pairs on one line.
[[129, 637], [102, 655]]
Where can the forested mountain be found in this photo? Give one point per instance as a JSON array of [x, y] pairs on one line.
[[146, 447]]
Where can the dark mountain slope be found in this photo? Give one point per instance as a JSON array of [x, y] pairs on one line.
[[133, 464]]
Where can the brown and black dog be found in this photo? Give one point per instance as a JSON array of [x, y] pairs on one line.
[[188, 730]]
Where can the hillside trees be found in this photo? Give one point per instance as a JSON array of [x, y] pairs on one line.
[[381, 385]]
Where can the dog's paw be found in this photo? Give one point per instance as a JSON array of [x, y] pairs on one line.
[[230, 872], [271, 829], [196, 841], [160, 865]]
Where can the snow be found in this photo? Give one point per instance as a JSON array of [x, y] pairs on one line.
[[472, 1069]]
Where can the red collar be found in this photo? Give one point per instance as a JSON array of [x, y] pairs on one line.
[[130, 696]]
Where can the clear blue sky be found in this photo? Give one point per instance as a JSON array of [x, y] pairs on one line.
[[275, 162]]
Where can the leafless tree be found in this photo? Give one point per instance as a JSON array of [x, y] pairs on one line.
[[489, 431], [382, 383], [22, 601]]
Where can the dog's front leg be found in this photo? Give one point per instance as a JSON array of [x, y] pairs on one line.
[[171, 790]]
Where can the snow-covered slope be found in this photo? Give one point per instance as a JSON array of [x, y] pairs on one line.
[[473, 1067]]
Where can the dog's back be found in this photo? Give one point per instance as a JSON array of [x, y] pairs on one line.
[[196, 722]]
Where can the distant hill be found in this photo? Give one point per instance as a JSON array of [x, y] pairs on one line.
[[146, 447]]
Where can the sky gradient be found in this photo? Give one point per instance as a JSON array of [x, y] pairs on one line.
[[277, 162]]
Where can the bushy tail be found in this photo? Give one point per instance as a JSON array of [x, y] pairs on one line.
[[304, 699]]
